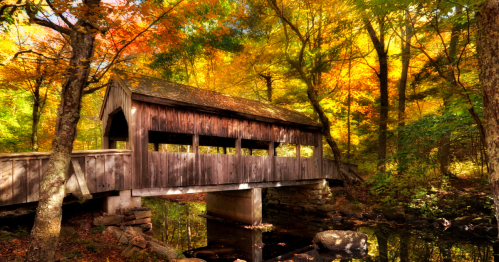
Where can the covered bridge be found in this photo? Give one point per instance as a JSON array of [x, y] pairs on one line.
[[142, 114]]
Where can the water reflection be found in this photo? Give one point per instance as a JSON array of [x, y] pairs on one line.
[[293, 234]]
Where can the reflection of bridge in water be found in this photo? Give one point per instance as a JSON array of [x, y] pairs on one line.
[[142, 115]]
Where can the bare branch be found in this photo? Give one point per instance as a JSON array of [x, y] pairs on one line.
[[32, 52], [137, 36], [92, 90], [60, 15], [32, 18]]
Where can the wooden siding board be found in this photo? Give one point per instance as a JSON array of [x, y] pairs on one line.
[[19, 188], [6, 182], [144, 145], [91, 173], [100, 172], [119, 173], [110, 180], [33, 180]]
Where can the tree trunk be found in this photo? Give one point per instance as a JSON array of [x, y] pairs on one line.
[[445, 143], [406, 59], [326, 131], [165, 222], [488, 58], [268, 82], [379, 45], [35, 116], [45, 232]]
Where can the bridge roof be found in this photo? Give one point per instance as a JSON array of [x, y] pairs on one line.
[[141, 86]]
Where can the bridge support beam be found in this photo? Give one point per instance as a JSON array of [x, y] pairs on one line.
[[116, 204], [244, 206]]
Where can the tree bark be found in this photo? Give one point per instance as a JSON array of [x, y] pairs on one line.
[[379, 45], [45, 232], [488, 59]]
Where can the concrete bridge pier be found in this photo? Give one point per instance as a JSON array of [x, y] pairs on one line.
[[115, 204], [244, 206]]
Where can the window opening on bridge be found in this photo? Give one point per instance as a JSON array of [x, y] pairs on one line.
[[286, 150], [217, 145], [254, 147], [117, 129], [307, 151], [170, 142], [121, 145]]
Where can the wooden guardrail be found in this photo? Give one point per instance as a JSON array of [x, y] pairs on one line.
[[100, 170]]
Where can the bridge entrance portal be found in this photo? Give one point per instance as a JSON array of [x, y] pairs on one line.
[[116, 132]]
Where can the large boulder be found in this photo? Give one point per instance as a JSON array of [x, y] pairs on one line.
[[163, 251], [67, 232], [138, 241], [129, 251], [350, 210], [394, 213], [334, 240]]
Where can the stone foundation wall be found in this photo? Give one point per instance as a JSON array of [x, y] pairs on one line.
[[310, 198]]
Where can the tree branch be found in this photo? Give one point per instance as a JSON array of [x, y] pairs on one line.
[[92, 90], [137, 36]]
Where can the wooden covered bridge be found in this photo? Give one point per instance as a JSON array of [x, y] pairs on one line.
[[143, 114]]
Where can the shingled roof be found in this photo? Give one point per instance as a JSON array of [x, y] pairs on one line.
[[163, 89]]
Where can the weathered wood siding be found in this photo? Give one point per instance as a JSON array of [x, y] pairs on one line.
[[21, 173], [116, 98], [177, 169], [154, 117]]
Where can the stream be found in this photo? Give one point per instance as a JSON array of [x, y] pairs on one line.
[[291, 234]]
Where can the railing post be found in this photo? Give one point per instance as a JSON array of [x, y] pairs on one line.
[[298, 159], [197, 165], [272, 161]]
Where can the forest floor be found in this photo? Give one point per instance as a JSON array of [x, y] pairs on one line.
[[88, 245], [463, 197]]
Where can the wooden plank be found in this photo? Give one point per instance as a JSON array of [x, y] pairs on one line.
[[19, 188], [33, 180], [171, 168], [144, 146], [80, 177], [190, 122], [127, 172], [152, 173], [119, 173], [100, 173], [156, 160], [135, 137], [91, 174], [164, 169], [6, 197], [110, 179], [195, 175], [190, 169], [162, 118]]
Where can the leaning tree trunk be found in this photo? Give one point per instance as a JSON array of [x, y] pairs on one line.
[[488, 58], [45, 233], [326, 131]]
